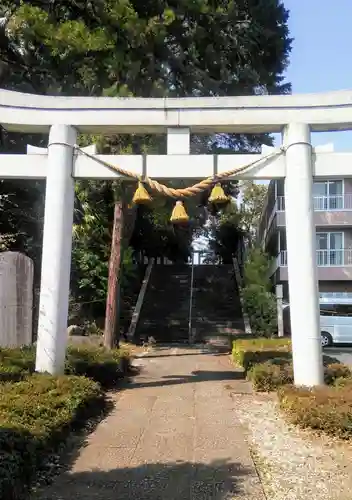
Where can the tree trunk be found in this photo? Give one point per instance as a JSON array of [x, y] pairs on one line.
[[111, 331]]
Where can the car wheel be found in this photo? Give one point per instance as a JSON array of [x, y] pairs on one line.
[[326, 339]]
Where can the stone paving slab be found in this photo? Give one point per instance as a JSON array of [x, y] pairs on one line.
[[172, 435]]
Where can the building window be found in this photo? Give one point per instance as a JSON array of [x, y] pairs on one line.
[[328, 195], [330, 249]]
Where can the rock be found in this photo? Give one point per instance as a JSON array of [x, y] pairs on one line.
[[74, 330]]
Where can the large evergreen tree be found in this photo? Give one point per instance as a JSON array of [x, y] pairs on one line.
[[134, 48]]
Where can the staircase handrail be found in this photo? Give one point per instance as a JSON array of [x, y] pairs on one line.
[[191, 303], [140, 300]]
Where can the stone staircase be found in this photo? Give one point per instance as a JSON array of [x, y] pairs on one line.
[[165, 311], [216, 310]]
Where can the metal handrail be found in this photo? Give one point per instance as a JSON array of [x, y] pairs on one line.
[[332, 202], [341, 257], [191, 303]]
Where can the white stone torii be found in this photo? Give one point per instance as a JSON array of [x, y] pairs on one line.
[[295, 116]]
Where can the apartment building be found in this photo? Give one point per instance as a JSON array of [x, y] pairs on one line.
[[332, 201]]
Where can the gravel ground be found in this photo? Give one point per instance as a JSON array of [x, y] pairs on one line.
[[294, 464]]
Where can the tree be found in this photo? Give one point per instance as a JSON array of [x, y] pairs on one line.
[[252, 205], [259, 301], [135, 48], [150, 49], [223, 234]]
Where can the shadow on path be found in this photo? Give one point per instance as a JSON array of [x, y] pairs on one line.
[[178, 355], [218, 480], [196, 376]]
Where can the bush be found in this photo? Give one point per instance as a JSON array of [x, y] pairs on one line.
[[248, 352], [105, 367], [259, 302], [35, 415], [327, 409], [336, 371], [260, 306], [15, 364], [277, 372], [267, 377]]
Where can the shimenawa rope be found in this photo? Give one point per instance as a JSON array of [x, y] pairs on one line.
[[182, 192], [187, 192]]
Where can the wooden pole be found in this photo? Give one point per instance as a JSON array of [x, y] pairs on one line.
[[111, 330]]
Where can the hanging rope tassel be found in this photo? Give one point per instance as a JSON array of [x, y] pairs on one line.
[[141, 196], [179, 214], [217, 195]]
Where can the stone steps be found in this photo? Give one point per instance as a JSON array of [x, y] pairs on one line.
[[216, 312]]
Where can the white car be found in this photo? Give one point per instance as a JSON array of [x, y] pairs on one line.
[[335, 322]]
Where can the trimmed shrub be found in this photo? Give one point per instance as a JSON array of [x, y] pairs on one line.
[[277, 372], [267, 377], [343, 381], [35, 416], [327, 409], [248, 352], [17, 363], [336, 371], [105, 367]]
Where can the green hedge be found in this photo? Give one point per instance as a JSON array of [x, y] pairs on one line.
[[268, 363], [15, 364], [268, 376], [277, 372], [99, 364], [327, 409], [249, 352], [35, 415], [105, 367]]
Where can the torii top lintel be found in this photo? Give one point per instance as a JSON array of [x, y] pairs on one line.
[[248, 114]]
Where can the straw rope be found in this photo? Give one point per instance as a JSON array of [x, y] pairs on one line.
[[187, 192]]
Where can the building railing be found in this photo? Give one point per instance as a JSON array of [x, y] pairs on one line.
[[324, 258], [321, 203]]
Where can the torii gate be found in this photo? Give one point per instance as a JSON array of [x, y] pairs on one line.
[[295, 116]]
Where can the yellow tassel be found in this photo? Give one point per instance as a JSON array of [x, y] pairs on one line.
[[217, 195], [179, 214], [141, 196]]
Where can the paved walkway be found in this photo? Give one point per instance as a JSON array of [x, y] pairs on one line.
[[172, 435]]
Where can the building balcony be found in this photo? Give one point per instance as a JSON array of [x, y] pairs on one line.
[[333, 265], [332, 203], [328, 211]]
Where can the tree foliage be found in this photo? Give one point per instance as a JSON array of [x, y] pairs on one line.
[[153, 48], [133, 48], [259, 300], [252, 205]]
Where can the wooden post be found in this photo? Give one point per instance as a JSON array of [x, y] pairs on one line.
[[111, 330]]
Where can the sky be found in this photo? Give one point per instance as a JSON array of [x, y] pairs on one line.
[[320, 59]]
